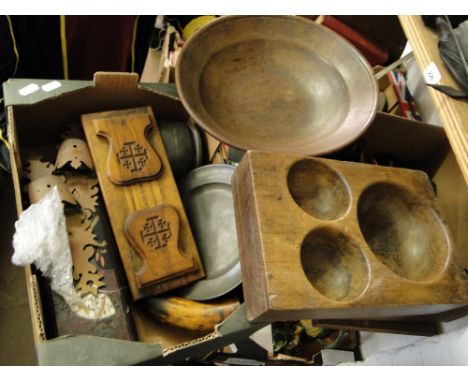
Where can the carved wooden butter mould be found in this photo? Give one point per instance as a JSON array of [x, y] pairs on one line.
[[321, 238], [145, 210]]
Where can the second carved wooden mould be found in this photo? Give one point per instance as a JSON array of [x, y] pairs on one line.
[[320, 238]]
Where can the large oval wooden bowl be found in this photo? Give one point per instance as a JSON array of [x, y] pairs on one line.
[[277, 83]]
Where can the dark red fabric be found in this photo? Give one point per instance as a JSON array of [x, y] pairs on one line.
[[98, 43], [375, 54]]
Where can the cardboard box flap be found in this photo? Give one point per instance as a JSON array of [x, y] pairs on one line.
[[115, 80], [94, 351], [232, 329], [18, 91], [237, 322], [39, 126], [411, 142], [118, 80], [169, 89], [82, 350]]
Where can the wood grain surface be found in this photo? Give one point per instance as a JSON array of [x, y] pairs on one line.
[[323, 239], [131, 157], [154, 234], [306, 92], [453, 113], [121, 201]]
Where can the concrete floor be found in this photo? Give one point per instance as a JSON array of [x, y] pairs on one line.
[[16, 339]]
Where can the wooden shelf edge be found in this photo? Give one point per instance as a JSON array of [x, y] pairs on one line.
[[453, 113]]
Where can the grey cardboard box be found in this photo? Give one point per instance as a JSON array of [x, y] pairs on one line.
[[37, 113]]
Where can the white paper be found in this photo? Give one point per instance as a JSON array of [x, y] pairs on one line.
[[431, 74]]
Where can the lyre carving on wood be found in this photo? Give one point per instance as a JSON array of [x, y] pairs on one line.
[[131, 157], [154, 233]]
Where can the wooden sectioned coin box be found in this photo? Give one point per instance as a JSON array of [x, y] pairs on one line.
[[320, 238]]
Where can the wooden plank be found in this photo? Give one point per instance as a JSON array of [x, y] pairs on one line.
[[419, 325], [453, 113], [327, 239], [121, 201], [415, 328], [452, 193]]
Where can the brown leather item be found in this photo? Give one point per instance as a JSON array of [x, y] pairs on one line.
[[131, 157], [154, 233], [38, 188], [73, 154]]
